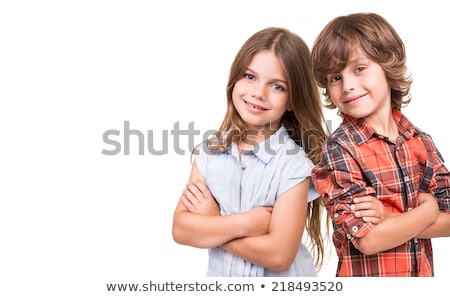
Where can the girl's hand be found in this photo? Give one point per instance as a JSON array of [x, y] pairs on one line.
[[198, 199], [370, 209], [258, 220]]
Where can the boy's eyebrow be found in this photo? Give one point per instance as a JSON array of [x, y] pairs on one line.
[[358, 60]]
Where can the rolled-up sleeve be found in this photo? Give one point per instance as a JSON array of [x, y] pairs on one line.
[[440, 182], [339, 179]]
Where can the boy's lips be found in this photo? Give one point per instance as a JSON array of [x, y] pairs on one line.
[[353, 99]]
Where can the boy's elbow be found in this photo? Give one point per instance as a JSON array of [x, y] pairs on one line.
[[368, 248], [368, 251]]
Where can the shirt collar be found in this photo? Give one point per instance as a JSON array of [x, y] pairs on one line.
[[362, 132], [268, 148]]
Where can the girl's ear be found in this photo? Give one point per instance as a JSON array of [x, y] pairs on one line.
[[289, 107]]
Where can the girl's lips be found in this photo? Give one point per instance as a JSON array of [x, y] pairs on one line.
[[254, 107]]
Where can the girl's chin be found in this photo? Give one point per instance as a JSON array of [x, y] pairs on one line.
[[263, 126]]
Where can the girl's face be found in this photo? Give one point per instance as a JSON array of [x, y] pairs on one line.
[[361, 89], [261, 95]]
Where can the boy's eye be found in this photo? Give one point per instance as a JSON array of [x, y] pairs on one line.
[[334, 78], [360, 68]]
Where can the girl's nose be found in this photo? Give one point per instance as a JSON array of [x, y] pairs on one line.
[[258, 92]]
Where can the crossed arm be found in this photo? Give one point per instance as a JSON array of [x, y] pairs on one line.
[[265, 236], [197, 221], [393, 229], [341, 175]]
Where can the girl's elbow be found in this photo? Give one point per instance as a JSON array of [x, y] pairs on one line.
[[280, 267], [281, 262], [179, 235], [176, 235], [183, 237]]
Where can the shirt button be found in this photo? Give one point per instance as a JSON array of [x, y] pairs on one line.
[[349, 236], [406, 179], [336, 215], [354, 228], [409, 208]]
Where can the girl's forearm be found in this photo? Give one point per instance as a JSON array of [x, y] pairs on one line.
[[204, 231], [276, 249], [264, 250]]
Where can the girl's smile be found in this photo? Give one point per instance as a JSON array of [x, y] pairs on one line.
[[254, 108]]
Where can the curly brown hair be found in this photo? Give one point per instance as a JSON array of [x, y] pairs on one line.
[[375, 37]]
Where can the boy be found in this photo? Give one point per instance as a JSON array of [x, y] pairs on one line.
[[376, 156]]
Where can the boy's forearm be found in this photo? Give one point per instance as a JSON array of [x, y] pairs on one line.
[[440, 228], [396, 230]]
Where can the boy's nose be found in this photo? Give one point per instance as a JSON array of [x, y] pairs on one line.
[[347, 85]]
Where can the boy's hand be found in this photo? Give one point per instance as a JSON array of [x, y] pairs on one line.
[[198, 199], [370, 209], [426, 197], [428, 200]]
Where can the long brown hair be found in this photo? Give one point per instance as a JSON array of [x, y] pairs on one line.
[[304, 122]]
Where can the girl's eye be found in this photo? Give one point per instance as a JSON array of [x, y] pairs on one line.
[[360, 68], [278, 87], [249, 76]]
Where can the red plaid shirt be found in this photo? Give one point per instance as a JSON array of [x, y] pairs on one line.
[[356, 161]]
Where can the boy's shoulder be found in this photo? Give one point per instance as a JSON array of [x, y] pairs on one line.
[[342, 134], [357, 132]]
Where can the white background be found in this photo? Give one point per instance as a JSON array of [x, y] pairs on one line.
[[73, 219]]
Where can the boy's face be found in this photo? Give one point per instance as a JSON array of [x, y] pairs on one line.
[[361, 89]]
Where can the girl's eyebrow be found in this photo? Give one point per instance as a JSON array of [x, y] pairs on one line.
[[276, 79]]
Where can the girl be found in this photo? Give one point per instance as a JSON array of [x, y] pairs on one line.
[[249, 196]]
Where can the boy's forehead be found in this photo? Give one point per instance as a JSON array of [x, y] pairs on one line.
[[353, 55], [357, 57], [354, 52]]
